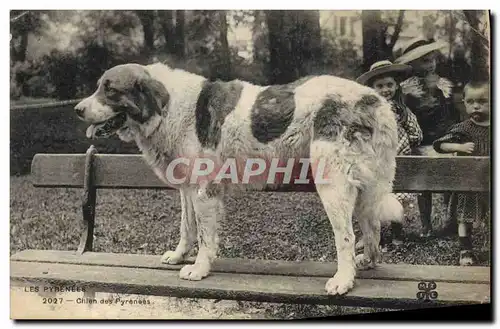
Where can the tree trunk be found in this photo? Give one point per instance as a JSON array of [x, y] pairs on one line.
[[18, 52], [308, 41], [429, 27], [223, 67], [451, 22], [168, 27], [283, 68], [294, 44], [24, 24], [373, 38], [180, 23], [259, 37], [147, 20], [395, 35], [23, 47]]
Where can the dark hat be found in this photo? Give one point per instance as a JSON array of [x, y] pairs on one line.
[[384, 67]]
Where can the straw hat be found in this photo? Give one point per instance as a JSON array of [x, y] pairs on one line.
[[419, 47], [383, 68]]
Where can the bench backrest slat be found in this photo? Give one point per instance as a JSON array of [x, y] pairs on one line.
[[413, 174]]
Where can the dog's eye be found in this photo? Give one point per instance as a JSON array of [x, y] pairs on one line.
[[110, 91]]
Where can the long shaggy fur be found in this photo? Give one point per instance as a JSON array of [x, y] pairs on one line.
[[325, 118]]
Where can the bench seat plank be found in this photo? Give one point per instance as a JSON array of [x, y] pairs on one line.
[[413, 173], [466, 274], [252, 287]]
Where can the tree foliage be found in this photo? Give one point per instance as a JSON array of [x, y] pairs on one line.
[[279, 47], [479, 45], [466, 32]]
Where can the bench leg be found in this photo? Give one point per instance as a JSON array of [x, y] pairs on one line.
[[425, 208], [88, 203], [88, 209]]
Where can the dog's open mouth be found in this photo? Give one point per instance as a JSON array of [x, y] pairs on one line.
[[106, 128]]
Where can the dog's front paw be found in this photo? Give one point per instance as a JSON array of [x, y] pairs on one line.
[[340, 284], [194, 272], [172, 257], [363, 262]]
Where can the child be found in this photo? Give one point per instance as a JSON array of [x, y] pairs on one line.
[[470, 138], [385, 77], [429, 96]]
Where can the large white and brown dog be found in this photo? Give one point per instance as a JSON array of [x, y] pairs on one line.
[[173, 114]]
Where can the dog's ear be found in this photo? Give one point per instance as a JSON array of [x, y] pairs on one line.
[[149, 97], [154, 94]]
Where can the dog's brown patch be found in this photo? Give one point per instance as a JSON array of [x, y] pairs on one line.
[[328, 123], [273, 111], [215, 102]]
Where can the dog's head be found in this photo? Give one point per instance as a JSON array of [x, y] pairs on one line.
[[126, 95]]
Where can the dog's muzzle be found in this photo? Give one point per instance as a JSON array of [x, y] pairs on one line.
[[108, 127], [100, 129]]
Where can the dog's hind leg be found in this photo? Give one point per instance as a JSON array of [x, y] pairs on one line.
[[338, 197], [209, 209], [187, 231], [375, 205]]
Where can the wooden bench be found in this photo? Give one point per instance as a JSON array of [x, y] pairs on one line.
[[388, 286]]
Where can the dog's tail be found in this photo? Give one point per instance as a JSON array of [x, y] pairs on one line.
[[390, 209]]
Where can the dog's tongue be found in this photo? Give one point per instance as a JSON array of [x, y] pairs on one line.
[[106, 128], [92, 130]]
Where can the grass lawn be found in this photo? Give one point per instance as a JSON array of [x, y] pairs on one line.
[[286, 226]]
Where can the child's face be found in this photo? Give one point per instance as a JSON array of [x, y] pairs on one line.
[[425, 64], [386, 87], [477, 103]]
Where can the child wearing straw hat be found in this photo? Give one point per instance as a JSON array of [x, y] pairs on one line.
[[385, 78], [429, 96]]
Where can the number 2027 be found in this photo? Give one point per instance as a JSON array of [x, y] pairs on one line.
[[52, 300]]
